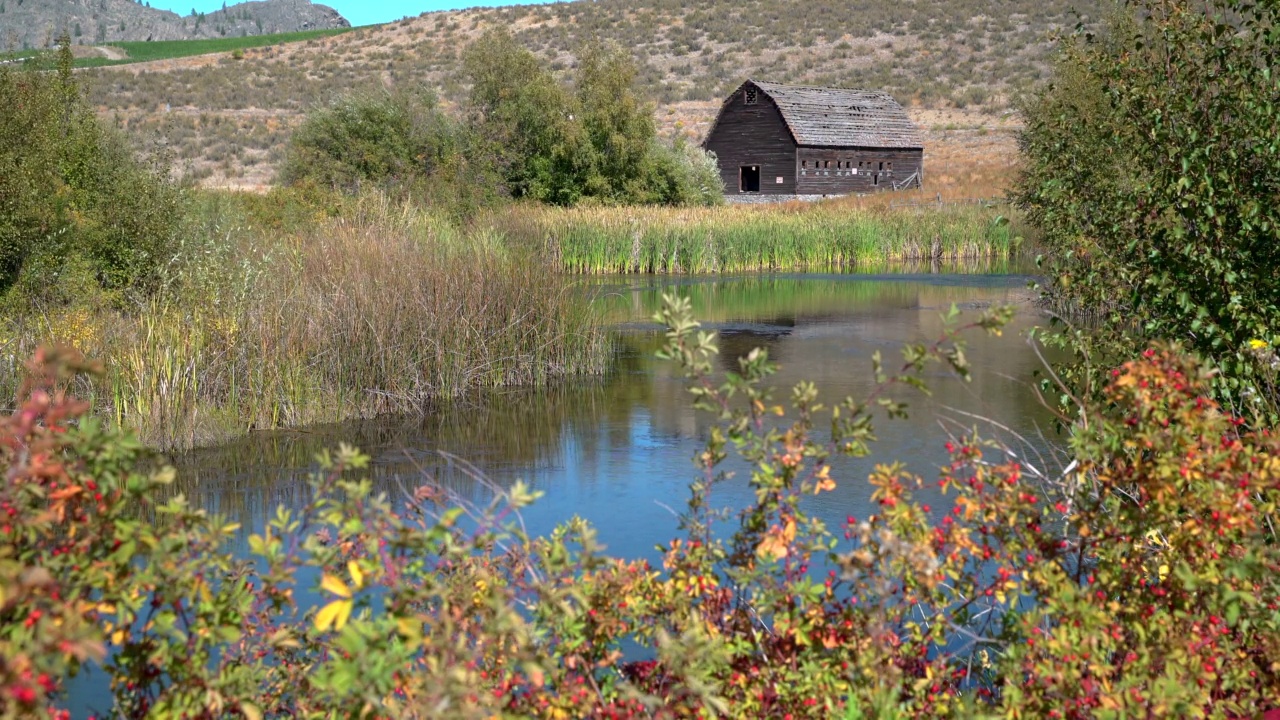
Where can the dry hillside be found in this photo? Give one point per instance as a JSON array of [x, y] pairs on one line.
[[956, 63]]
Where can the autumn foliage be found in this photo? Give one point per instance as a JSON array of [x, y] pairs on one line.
[[1141, 580]]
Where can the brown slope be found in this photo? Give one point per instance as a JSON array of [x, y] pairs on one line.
[[952, 55]]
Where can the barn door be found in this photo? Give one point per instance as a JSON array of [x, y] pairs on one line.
[[749, 178]]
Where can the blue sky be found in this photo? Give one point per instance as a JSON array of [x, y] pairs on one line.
[[359, 12]]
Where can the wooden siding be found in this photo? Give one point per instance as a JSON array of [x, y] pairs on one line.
[[838, 171], [754, 135]]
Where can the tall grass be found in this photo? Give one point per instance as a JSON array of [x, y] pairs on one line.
[[383, 310], [797, 236]]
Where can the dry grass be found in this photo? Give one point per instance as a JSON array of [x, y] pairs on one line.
[[385, 310]]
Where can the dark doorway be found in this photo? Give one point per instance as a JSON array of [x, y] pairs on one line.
[[749, 178]]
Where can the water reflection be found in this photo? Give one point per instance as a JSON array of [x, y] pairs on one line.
[[617, 449]]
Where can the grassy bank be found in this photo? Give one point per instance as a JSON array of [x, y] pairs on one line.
[[288, 309], [384, 309], [794, 236]]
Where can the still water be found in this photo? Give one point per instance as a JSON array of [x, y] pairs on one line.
[[617, 450]]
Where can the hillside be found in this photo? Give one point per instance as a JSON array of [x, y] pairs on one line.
[[26, 24], [230, 117]]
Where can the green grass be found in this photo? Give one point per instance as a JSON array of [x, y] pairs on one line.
[[169, 49], [823, 236]]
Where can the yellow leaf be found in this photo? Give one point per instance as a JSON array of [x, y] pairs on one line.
[[117, 637], [202, 589], [334, 614], [771, 547], [357, 576], [409, 627], [251, 711], [777, 541], [1163, 572], [335, 586], [825, 482]]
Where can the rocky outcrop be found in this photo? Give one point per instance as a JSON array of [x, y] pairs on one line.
[[26, 24]]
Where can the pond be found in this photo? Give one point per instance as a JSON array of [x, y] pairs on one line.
[[617, 450]]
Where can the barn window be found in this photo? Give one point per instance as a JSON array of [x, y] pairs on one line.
[[826, 164], [751, 95], [804, 163]]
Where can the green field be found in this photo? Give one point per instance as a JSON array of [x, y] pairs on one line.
[[168, 49]]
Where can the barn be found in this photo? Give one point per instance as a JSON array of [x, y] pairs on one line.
[[788, 140]]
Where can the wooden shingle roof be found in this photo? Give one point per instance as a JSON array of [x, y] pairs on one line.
[[841, 117]]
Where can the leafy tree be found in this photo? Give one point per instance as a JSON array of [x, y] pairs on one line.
[[73, 194], [527, 120], [618, 123], [1153, 168], [596, 142]]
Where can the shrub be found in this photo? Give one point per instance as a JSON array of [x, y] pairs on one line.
[[73, 193], [381, 139], [1140, 581], [1152, 169], [685, 174]]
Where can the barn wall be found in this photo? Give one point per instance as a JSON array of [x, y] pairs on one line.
[[754, 135], [838, 171]]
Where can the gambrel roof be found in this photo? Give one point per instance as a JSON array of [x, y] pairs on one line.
[[842, 117]]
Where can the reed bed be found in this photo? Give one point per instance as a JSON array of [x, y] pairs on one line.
[[796, 236], [384, 310]]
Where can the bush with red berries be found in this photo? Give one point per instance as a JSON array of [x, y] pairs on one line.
[[1141, 580]]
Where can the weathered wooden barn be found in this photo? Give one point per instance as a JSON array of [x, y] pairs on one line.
[[773, 139]]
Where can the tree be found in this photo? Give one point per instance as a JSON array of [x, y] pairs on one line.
[[527, 120], [76, 198], [1152, 168], [618, 123]]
